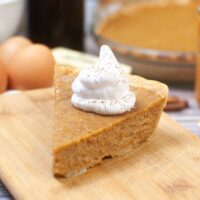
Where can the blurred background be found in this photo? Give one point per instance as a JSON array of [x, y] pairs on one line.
[[158, 46], [83, 25]]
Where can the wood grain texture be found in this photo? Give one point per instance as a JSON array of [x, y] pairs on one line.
[[165, 167]]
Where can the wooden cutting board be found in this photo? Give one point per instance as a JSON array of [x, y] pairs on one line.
[[165, 167]]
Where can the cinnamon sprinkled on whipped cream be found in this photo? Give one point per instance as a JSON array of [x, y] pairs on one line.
[[103, 88]]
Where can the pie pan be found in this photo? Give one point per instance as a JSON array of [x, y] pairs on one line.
[[167, 66]]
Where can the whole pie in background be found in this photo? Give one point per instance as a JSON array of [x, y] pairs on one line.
[[161, 26]]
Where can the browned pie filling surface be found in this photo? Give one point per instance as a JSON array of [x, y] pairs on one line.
[[78, 122], [169, 27]]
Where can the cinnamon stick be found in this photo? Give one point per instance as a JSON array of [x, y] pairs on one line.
[[175, 104]]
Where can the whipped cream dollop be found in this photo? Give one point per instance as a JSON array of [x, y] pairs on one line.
[[103, 88]]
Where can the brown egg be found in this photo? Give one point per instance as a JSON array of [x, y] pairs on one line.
[[11, 46], [32, 67], [3, 77]]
